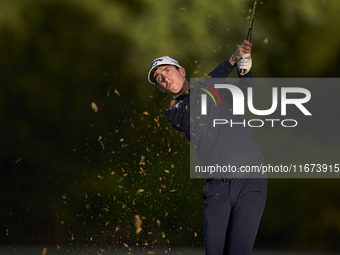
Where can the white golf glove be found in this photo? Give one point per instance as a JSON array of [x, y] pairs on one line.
[[244, 63]]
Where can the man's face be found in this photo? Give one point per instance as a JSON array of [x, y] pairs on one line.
[[170, 79]]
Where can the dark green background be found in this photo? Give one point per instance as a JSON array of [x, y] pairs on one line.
[[73, 175]]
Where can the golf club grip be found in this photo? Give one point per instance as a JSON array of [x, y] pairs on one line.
[[250, 31], [248, 38]]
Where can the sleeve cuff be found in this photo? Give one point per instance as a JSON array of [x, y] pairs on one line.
[[247, 75]]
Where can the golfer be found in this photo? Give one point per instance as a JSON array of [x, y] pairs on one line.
[[234, 201]]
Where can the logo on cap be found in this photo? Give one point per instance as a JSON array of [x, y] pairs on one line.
[[155, 62]]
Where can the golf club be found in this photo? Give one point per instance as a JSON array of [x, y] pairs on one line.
[[250, 30]]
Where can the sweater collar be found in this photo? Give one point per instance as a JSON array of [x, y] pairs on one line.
[[183, 94]]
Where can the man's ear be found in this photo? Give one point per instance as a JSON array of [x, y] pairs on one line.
[[182, 71], [160, 89]]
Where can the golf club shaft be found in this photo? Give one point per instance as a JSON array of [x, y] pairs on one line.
[[250, 30]]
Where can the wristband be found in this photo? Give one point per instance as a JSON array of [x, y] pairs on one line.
[[232, 57]]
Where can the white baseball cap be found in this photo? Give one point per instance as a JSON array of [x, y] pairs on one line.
[[159, 62]]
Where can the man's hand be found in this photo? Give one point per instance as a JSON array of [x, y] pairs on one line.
[[245, 64], [244, 48]]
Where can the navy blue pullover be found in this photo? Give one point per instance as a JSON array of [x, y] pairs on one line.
[[222, 145]]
